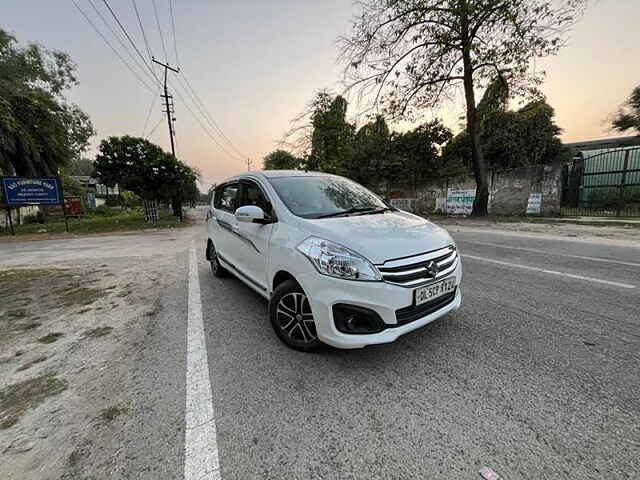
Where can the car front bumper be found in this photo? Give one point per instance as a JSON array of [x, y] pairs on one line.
[[383, 298]]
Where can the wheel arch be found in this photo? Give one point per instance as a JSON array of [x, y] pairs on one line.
[[280, 277]]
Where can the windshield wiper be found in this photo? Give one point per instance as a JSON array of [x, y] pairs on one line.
[[366, 210], [376, 211]]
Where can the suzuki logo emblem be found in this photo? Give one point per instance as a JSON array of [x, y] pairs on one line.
[[432, 269]]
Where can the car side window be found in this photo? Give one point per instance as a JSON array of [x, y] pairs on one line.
[[227, 197], [253, 195]]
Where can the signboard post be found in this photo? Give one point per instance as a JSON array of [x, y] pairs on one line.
[[23, 191]]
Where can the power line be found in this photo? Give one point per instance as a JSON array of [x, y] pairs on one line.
[[210, 118], [144, 35], [173, 28], [155, 12], [122, 44], [153, 103], [125, 63], [202, 125], [153, 130], [135, 47]]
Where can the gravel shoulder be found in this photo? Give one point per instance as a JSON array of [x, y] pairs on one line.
[[76, 338]]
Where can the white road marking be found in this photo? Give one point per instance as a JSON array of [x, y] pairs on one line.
[[200, 445], [550, 272], [534, 250]]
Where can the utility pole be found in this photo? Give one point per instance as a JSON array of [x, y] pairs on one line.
[[249, 163], [168, 102]]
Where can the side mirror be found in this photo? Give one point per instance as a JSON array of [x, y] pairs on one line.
[[250, 214]]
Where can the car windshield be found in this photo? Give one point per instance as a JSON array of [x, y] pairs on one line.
[[325, 196]]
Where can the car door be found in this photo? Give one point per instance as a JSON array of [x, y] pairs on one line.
[[225, 203], [255, 236]]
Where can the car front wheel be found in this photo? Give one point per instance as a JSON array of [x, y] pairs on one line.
[[291, 317]]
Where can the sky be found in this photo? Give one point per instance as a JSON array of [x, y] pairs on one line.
[[255, 64]]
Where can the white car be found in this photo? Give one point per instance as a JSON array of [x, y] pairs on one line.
[[337, 264]]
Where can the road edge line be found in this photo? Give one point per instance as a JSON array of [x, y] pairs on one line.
[[201, 458]]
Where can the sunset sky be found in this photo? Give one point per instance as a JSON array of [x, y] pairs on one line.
[[255, 64]]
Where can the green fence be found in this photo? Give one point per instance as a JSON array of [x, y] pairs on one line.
[[603, 183]]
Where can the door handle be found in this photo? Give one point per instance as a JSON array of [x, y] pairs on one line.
[[236, 229]]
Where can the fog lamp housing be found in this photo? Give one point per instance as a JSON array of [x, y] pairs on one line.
[[356, 320]]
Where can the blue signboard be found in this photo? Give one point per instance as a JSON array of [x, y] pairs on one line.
[[31, 191]]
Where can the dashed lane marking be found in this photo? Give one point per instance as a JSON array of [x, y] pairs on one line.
[[550, 272]]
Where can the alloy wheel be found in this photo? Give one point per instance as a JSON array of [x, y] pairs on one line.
[[295, 319]]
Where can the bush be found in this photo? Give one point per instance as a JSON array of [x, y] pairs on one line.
[[37, 217], [612, 198], [104, 211]]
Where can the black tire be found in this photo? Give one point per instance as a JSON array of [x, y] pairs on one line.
[[218, 270], [291, 317]]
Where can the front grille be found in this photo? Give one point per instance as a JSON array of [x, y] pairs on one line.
[[413, 312], [413, 271]]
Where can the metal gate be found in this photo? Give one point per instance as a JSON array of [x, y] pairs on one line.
[[602, 183]]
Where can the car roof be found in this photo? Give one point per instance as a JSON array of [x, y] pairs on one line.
[[266, 174]]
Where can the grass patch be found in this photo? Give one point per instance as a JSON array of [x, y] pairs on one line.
[[117, 221], [107, 415], [16, 399], [73, 295], [30, 364], [51, 338], [98, 332]]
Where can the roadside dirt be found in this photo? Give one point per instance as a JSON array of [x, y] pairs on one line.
[[68, 337], [618, 234]]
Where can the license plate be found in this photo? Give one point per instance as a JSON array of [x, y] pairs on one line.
[[435, 290]]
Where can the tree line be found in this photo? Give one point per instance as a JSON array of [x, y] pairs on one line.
[[374, 155]]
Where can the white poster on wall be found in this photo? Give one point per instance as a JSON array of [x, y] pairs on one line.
[[460, 201], [534, 206]]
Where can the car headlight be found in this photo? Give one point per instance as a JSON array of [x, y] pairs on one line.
[[334, 260]]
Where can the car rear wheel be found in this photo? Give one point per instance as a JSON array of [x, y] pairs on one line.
[[291, 317], [217, 269]]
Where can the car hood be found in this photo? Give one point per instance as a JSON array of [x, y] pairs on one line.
[[382, 236]]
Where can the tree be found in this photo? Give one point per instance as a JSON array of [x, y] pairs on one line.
[[410, 54], [80, 167], [142, 167], [418, 152], [39, 131], [628, 117], [371, 149], [332, 137], [281, 160], [508, 138]]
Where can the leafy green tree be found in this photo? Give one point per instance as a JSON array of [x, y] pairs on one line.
[[628, 117], [40, 132], [371, 149], [80, 167], [410, 54], [510, 139], [142, 167], [281, 160], [332, 137], [416, 153]]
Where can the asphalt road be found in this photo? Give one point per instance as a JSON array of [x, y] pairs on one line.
[[535, 377]]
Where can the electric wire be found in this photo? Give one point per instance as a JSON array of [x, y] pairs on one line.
[[202, 125], [119, 39], [164, 48], [153, 130], [146, 122], [173, 28], [210, 118], [110, 45], [133, 44]]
